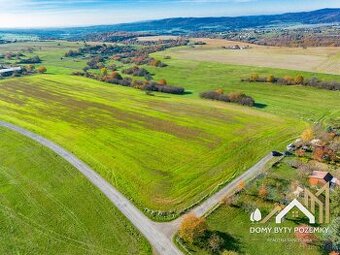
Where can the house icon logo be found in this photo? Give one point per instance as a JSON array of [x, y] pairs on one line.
[[288, 208], [308, 208]]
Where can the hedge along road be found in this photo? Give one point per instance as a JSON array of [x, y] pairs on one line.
[[158, 234], [160, 242]]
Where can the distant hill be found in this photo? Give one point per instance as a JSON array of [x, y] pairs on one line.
[[227, 23], [184, 25]]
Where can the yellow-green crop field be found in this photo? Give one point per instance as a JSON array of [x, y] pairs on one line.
[[48, 207], [164, 152]]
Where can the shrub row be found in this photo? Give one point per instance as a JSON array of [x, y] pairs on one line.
[[116, 78], [32, 60], [298, 80], [234, 97], [161, 214], [126, 54], [136, 71]]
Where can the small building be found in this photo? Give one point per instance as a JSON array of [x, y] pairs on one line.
[[291, 147], [306, 148], [335, 182], [316, 143], [9, 71], [276, 154], [322, 177]]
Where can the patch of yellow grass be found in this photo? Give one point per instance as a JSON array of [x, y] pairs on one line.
[[313, 59]]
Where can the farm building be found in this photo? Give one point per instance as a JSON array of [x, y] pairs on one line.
[[321, 177], [9, 71]]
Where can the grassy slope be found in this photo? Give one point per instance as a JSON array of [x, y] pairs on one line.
[[312, 59], [109, 141], [295, 101], [47, 207], [81, 110], [50, 53], [165, 152]]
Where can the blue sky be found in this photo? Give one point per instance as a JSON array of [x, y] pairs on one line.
[[57, 13]]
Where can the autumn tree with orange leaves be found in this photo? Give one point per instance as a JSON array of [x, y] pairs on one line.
[[42, 69], [192, 228], [163, 82], [263, 192], [318, 153], [241, 186], [307, 135]]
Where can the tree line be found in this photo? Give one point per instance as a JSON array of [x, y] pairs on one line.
[[233, 97], [297, 80], [115, 78]]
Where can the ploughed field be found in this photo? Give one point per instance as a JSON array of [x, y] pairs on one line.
[[165, 152], [47, 207]]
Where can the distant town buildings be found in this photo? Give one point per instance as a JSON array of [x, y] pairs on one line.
[[236, 47]]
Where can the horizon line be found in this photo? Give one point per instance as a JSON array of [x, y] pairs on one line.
[[150, 20]]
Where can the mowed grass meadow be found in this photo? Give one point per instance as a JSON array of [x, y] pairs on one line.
[[311, 59], [48, 207], [165, 152], [300, 102], [50, 52]]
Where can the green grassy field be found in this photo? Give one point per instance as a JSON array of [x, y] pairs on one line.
[[165, 152], [50, 52], [47, 207], [199, 75], [305, 103]]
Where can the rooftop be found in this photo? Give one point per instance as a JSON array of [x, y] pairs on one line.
[[11, 69]]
